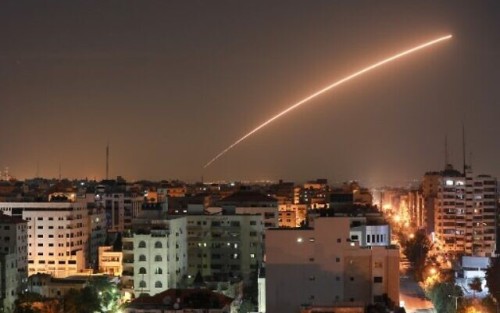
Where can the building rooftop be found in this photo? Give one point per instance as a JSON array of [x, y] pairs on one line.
[[7, 219], [247, 196]]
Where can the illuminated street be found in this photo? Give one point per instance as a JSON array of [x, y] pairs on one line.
[[413, 296]]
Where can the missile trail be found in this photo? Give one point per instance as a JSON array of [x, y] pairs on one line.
[[327, 88]]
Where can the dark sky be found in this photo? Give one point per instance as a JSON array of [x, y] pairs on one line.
[[171, 83]]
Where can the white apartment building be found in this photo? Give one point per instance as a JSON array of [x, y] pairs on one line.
[[223, 247], [154, 254], [321, 266], [57, 235]]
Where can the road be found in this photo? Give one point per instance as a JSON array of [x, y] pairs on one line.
[[411, 293]]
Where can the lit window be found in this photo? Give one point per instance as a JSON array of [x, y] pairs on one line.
[[299, 239]]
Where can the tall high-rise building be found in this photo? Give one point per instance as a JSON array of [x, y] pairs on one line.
[[465, 209]]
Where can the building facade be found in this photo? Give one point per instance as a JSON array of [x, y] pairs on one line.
[[224, 246], [466, 214], [57, 235], [322, 266], [154, 254]]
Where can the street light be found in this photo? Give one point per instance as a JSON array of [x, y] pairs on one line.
[[432, 271], [456, 301]]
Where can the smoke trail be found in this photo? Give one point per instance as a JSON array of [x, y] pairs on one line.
[[335, 84]]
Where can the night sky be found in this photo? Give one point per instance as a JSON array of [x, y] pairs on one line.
[[169, 84]]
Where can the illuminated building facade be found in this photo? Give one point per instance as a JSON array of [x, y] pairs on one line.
[[292, 215], [465, 213], [58, 234], [110, 261]]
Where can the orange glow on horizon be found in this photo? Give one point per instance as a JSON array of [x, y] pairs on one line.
[[335, 84]]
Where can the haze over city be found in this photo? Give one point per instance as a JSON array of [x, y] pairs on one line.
[[171, 84]]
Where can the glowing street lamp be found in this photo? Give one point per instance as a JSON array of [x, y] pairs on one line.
[[432, 271]]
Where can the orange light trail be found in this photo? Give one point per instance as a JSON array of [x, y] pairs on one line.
[[335, 84]]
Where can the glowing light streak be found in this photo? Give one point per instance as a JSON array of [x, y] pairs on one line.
[[335, 84]]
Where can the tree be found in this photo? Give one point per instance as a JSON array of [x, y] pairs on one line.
[[476, 285], [445, 296], [85, 300], [416, 250], [493, 278]]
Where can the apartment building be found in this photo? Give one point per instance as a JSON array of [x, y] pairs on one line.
[[224, 247], [292, 215], [120, 206], [466, 213], [58, 234], [13, 259], [9, 281], [252, 202], [110, 261], [322, 266], [154, 253]]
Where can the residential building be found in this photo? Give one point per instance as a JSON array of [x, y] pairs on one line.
[[322, 266], [121, 206], [110, 261], [9, 281], [466, 213], [225, 247], [97, 233], [57, 234], [314, 194], [252, 202], [154, 252], [51, 287], [14, 240], [292, 215]]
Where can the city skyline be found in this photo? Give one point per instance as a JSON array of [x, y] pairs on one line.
[[168, 85]]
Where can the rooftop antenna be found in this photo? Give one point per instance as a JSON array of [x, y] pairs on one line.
[[107, 160], [59, 171], [463, 147], [470, 160], [37, 169], [446, 161]]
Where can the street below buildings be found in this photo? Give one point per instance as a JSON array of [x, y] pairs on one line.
[[413, 297]]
